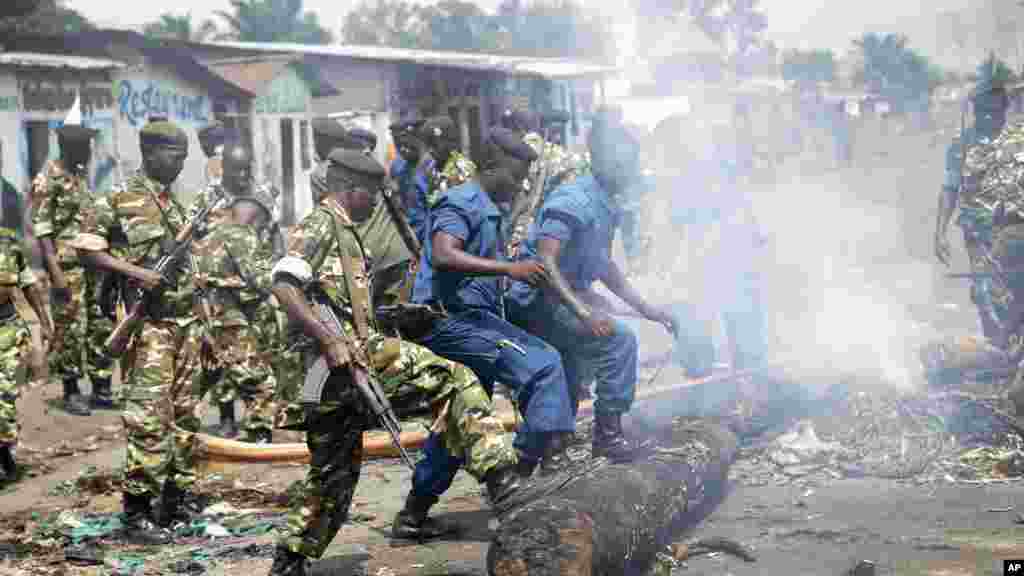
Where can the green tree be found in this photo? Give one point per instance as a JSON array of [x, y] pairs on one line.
[[272, 21], [386, 23], [461, 26], [554, 28], [45, 17], [809, 66], [181, 28], [889, 65]]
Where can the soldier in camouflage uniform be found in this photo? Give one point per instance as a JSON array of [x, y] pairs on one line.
[[326, 259], [127, 233], [393, 266], [63, 194], [233, 274], [235, 181], [15, 275], [962, 188], [211, 140]]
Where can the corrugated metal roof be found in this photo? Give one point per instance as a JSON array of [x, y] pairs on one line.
[[37, 60], [516, 65]]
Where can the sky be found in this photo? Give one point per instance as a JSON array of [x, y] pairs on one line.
[[792, 23]]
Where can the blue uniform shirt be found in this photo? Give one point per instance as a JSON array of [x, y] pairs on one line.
[[418, 214], [583, 217], [467, 213]]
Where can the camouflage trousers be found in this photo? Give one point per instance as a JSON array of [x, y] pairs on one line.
[[291, 370], [409, 374], [240, 367], [65, 355], [98, 326], [161, 396], [14, 347]]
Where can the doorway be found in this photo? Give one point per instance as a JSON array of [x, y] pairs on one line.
[[288, 171]]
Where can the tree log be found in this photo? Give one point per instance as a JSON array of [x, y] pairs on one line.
[[603, 519]]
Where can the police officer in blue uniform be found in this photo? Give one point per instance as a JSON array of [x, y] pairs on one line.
[[572, 236], [461, 270], [409, 170]]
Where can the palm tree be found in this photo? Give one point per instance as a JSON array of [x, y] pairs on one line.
[[272, 21], [180, 28]]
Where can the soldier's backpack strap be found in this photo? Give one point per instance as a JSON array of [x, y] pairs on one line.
[[359, 296]]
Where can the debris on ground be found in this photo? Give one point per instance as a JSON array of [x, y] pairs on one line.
[[921, 436]]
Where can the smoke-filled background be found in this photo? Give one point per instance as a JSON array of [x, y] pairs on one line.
[[848, 283]]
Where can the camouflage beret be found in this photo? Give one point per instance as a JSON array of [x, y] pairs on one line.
[[438, 127], [510, 143], [162, 132], [520, 120], [355, 163]]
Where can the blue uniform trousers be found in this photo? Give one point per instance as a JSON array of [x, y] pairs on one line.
[[611, 361], [497, 351]]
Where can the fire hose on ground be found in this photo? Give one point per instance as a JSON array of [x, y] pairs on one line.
[[378, 444]]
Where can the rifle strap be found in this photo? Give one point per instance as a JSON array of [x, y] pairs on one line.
[[359, 295]]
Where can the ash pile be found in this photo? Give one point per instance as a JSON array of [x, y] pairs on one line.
[[956, 430]]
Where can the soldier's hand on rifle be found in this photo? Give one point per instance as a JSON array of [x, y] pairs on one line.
[[942, 249], [529, 271], [337, 353]]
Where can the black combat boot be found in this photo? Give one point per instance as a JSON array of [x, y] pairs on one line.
[[228, 428], [555, 459], [608, 440], [412, 522], [8, 467], [74, 403], [288, 563], [177, 505], [501, 483], [139, 526], [102, 397]]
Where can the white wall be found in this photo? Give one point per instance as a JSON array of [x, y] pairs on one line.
[[267, 141], [141, 93], [9, 129]]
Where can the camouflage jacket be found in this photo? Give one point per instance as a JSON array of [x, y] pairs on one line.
[[59, 201], [136, 222], [562, 166], [232, 267], [456, 171], [993, 170], [14, 268], [315, 248]]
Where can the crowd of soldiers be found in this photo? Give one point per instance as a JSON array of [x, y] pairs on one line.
[[447, 276]]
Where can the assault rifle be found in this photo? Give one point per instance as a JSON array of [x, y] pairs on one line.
[[368, 388], [168, 264]]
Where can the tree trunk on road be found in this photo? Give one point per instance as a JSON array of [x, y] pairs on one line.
[[613, 519]]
